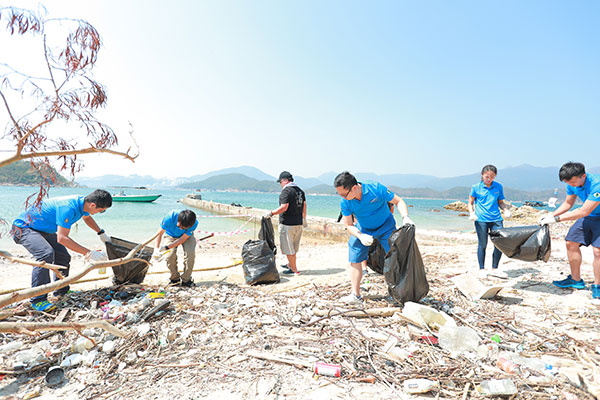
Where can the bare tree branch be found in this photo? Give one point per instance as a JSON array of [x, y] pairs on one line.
[[29, 328]]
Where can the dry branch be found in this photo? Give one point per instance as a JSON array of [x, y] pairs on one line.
[[30, 327]]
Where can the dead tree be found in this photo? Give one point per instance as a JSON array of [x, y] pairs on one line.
[[55, 96]]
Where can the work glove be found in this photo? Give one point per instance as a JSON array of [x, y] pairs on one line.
[[95, 255], [507, 214], [104, 237], [407, 221], [160, 254], [268, 215], [365, 239], [472, 216], [547, 219]]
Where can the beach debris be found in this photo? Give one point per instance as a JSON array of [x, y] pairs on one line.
[[419, 385]]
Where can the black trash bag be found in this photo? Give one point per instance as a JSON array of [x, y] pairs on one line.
[[525, 243], [133, 271], [376, 258], [259, 257], [404, 270]]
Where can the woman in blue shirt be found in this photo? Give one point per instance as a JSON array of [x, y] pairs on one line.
[[485, 201]]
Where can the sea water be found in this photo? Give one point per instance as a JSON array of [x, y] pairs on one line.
[[139, 221]]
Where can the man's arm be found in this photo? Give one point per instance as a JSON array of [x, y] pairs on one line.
[[304, 211], [62, 237], [583, 211], [350, 227], [89, 221], [161, 232], [179, 241], [566, 205], [400, 205], [471, 204], [281, 209]]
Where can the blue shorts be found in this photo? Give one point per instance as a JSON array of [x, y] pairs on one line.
[[585, 231], [357, 252]]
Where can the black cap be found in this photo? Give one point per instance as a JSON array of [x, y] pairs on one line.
[[285, 175]]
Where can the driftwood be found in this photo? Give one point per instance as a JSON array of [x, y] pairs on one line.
[[279, 358], [30, 327], [39, 290], [371, 312]]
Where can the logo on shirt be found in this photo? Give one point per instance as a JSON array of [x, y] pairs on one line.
[[67, 220]]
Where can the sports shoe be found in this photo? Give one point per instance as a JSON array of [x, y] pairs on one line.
[[175, 281], [569, 282], [290, 272], [285, 266], [351, 299], [43, 306], [596, 291], [189, 283]]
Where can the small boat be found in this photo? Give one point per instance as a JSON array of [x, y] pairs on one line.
[[136, 198]]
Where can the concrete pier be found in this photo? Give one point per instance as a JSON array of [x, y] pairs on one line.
[[317, 227]]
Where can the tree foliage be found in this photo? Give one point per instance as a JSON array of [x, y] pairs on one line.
[[60, 95]]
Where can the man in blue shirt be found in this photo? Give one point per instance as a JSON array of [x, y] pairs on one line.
[[586, 229], [177, 228], [44, 231], [368, 202]]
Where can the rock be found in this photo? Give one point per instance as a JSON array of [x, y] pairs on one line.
[[457, 206]]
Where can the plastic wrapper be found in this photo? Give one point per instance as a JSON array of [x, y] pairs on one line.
[[525, 243], [404, 270], [133, 271], [259, 257]]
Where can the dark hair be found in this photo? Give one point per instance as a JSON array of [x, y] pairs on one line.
[[570, 170], [345, 180], [186, 218], [101, 198], [488, 168]]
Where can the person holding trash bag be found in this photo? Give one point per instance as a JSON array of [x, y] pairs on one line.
[[368, 202], [177, 228], [292, 217], [44, 231], [586, 229], [485, 200]]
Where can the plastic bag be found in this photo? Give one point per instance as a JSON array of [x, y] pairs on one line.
[[526, 243], [133, 271], [404, 270], [376, 258], [259, 257]]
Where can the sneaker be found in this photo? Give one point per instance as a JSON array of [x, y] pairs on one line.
[[189, 283], [175, 281], [570, 283], [290, 272], [351, 299], [286, 267], [596, 291], [43, 306]]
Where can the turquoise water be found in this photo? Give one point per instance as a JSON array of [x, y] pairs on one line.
[[139, 221]]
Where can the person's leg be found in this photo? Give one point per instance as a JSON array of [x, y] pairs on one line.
[[596, 265], [286, 244], [497, 253], [41, 250], [61, 257], [292, 262], [357, 253], [171, 258], [482, 238], [189, 258], [574, 256]]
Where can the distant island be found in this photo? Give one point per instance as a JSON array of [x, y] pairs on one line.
[[20, 173]]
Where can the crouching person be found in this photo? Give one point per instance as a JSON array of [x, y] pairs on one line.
[[177, 228]]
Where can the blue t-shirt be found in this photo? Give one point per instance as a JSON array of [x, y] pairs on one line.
[[486, 201], [54, 212], [169, 224], [589, 191], [372, 209]]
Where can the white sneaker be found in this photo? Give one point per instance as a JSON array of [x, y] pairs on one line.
[[351, 299], [482, 273]]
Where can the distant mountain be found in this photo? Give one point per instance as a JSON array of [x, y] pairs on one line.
[[233, 182], [250, 172], [21, 173], [130, 180]]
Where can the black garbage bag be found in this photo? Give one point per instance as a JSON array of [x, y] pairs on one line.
[[403, 269], [525, 243], [259, 257], [376, 258], [133, 271]]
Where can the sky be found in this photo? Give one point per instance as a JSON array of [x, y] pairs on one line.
[[429, 87]]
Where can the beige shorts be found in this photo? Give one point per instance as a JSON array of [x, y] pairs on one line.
[[289, 238]]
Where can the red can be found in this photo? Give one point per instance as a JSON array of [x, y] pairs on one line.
[[322, 368]]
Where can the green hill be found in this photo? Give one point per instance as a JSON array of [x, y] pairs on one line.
[[21, 173], [233, 182]]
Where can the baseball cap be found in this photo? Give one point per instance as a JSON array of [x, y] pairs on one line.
[[285, 175]]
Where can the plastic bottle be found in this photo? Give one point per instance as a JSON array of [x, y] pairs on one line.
[[419, 385], [495, 387], [508, 366]]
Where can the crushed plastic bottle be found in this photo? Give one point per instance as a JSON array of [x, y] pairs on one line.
[[419, 385], [458, 339], [425, 315], [497, 387], [508, 366], [12, 346]]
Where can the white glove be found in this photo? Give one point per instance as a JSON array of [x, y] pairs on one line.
[[95, 255], [407, 221], [365, 239], [104, 237], [159, 254], [472, 217], [507, 214], [268, 215], [547, 219]]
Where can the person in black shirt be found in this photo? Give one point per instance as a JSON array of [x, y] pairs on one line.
[[292, 214]]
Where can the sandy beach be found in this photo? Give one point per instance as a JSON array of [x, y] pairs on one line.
[[529, 301]]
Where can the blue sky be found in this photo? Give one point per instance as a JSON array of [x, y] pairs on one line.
[[432, 87]]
